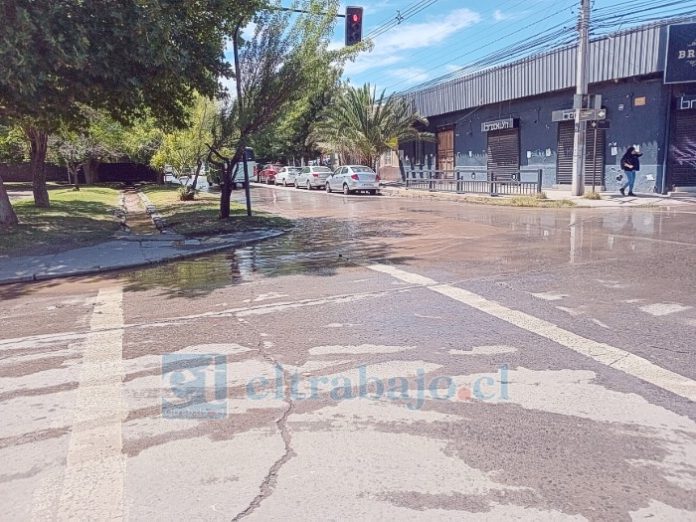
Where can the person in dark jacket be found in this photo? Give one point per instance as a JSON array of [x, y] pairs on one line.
[[630, 164]]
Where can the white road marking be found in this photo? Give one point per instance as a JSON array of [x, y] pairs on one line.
[[600, 323], [485, 350], [362, 349], [603, 353], [661, 309], [550, 296], [94, 477]]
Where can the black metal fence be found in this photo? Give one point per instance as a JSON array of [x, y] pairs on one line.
[[476, 181]]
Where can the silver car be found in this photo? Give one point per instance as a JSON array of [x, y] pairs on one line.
[[312, 177], [286, 176], [353, 178]]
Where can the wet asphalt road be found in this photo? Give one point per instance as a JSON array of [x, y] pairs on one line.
[[387, 359]]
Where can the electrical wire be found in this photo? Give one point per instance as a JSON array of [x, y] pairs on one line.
[[526, 45], [561, 38]]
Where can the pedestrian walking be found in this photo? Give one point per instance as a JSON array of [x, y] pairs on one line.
[[630, 164]]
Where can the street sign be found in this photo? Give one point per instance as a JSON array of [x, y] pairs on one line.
[[593, 114], [563, 115], [598, 124], [585, 115]]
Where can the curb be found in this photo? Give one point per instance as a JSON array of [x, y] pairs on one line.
[[157, 219], [175, 257]]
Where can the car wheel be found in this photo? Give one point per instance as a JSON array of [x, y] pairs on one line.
[[346, 190], [328, 188], [309, 186], [372, 192]]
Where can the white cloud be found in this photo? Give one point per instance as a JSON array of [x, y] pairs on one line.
[[499, 16], [452, 67], [390, 47]]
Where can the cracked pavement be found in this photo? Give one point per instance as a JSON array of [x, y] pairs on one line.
[[388, 359]]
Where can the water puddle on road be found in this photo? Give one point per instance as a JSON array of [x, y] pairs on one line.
[[317, 247]]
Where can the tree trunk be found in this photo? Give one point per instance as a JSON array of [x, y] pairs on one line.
[[38, 143], [7, 213], [226, 192], [72, 172], [199, 165]]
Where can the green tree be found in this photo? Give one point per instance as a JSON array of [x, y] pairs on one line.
[[123, 57], [277, 64], [186, 149], [13, 147], [360, 125]]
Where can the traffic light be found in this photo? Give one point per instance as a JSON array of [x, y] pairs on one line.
[[354, 17]]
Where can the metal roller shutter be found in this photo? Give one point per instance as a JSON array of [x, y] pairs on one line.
[[503, 148], [682, 150], [594, 166], [564, 158]]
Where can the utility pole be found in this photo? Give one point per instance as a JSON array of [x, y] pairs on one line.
[[578, 187], [240, 105]]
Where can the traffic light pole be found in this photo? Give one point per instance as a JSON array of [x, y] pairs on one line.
[[580, 136], [238, 76]]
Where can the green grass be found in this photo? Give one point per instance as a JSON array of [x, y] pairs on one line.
[[592, 195], [200, 217], [539, 201], [75, 219]]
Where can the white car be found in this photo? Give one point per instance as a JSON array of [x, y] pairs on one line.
[[312, 177], [353, 178], [286, 176]]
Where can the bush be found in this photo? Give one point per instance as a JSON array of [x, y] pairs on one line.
[[592, 195], [186, 194]]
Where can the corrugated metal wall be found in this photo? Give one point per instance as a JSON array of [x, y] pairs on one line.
[[635, 53]]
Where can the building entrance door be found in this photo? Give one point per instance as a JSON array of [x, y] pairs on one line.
[[682, 149], [445, 149], [503, 154], [594, 155]]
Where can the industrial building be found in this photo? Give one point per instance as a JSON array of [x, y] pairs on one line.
[[519, 116]]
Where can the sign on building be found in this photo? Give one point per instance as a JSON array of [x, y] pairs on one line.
[[505, 123], [680, 64]]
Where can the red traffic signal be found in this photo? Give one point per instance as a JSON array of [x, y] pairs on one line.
[[353, 25]]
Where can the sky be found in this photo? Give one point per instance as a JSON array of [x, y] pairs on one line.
[[447, 35], [450, 34]]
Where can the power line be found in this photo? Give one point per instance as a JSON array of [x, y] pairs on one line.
[[468, 53], [563, 38]]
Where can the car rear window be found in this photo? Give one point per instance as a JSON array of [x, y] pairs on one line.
[[322, 169], [363, 170]]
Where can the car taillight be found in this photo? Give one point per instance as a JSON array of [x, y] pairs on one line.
[[355, 177], [377, 178], [315, 174]]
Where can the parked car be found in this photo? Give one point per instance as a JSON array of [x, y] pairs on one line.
[[353, 178], [286, 176], [312, 177], [268, 174]]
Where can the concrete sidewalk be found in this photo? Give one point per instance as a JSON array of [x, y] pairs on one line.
[[609, 199], [117, 254]]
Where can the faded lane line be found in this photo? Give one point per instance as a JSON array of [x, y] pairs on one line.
[[94, 477], [600, 352], [7, 345]]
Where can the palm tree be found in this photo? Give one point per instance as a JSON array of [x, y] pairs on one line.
[[361, 126]]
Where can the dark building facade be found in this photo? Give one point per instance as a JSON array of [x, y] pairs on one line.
[[518, 116]]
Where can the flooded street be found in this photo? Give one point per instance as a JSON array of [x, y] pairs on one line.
[[387, 358]]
